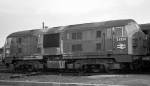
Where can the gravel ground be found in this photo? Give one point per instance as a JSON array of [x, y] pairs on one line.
[[112, 79], [130, 79]]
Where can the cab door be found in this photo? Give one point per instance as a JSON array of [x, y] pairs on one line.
[[120, 40], [109, 41]]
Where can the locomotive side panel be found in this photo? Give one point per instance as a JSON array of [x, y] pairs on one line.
[[84, 42], [96, 41], [24, 46], [29, 46]]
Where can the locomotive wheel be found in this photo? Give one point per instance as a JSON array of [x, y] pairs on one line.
[[137, 67], [89, 68], [126, 68], [84, 68], [109, 70], [30, 68], [11, 68], [95, 68], [25, 68]]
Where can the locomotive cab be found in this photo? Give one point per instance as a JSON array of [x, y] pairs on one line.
[[129, 39], [128, 43], [120, 39]]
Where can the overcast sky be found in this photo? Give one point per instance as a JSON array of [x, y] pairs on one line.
[[17, 15]]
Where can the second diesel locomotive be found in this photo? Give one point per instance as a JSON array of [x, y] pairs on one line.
[[146, 60], [110, 45]]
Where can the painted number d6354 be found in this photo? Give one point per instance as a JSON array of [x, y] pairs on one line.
[[121, 39]]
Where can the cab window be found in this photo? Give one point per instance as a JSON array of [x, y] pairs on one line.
[[8, 42], [120, 31]]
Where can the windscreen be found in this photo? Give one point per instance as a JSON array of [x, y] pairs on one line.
[[51, 40], [120, 31], [8, 42]]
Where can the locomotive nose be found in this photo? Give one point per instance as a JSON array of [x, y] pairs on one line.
[[135, 40]]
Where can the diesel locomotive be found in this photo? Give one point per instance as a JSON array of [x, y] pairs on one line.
[[99, 46], [146, 60]]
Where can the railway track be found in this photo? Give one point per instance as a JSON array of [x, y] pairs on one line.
[[95, 80], [70, 78]]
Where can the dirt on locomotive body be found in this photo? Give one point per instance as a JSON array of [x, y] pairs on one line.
[[108, 46]]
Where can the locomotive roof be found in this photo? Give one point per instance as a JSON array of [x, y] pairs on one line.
[[53, 29], [23, 33], [105, 24], [145, 26]]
